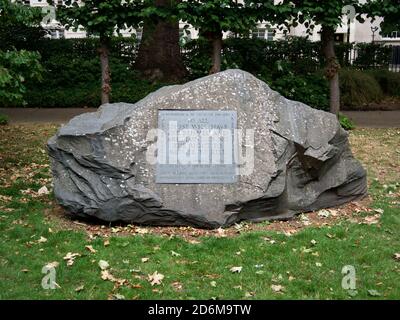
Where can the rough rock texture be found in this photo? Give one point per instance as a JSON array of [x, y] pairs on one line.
[[302, 159]]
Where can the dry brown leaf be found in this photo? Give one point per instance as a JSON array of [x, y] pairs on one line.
[[91, 249], [103, 265], [177, 286], [53, 264], [80, 288], [372, 219], [43, 191], [70, 258], [42, 240], [236, 269], [155, 278], [277, 288], [142, 230]]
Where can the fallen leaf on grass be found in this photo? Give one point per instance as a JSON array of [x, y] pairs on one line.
[[221, 233], [141, 230], [374, 293], [106, 275], [144, 260], [70, 258], [51, 265], [106, 243], [177, 286], [175, 254], [396, 256], [249, 294], [42, 240], [192, 241], [103, 265], [236, 269], [277, 288], [213, 284], [324, 213], [116, 296], [155, 278], [43, 191], [90, 248], [80, 288], [372, 219]]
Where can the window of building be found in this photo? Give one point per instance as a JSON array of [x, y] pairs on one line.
[[259, 33], [263, 33]]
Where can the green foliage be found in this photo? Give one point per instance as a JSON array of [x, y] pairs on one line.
[[316, 12], [346, 123], [131, 90], [216, 16], [256, 56], [19, 26], [310, 89], [359, 88], [17, 67], [389, 10], [389, 81], [101, 18], [371, 55], [12, 12], [3, 119]]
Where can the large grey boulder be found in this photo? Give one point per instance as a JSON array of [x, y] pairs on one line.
[[302, 159]]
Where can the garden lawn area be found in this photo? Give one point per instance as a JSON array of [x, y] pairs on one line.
[[301, 262]]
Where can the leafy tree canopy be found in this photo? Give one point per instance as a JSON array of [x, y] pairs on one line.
[[100, 17], [19, 25], [388, 9], [217, 15], [318, 12]]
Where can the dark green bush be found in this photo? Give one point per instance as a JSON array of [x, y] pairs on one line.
[[372, 55], [311, 89], [292, 67], [389, 81], [3, 119], [358, 89], [88, 95]]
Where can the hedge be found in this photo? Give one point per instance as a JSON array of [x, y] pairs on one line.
[[292, 67]]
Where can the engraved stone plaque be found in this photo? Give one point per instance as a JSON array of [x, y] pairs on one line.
[[196, 147]]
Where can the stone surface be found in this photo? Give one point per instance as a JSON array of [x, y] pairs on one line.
[[302, 159]]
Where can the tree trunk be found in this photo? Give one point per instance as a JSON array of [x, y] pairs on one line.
[[332, 67], [104, 52], [159, 57], [216, 40]]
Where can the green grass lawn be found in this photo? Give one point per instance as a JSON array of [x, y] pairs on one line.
[[274, 265]]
